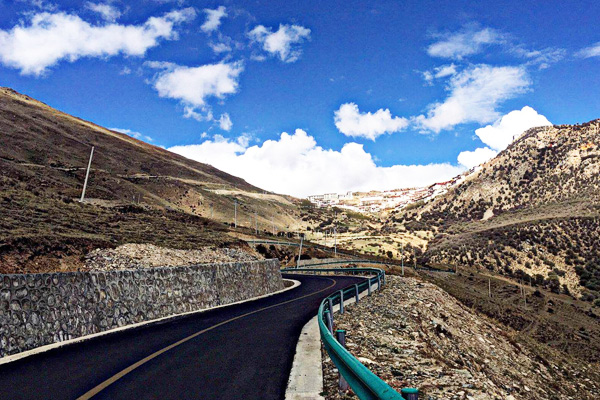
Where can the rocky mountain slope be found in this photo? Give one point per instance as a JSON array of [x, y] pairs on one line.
[[414, 334], [531, 213], [137, 192]]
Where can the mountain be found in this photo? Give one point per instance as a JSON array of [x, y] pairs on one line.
[[137, 192], [531, 213]]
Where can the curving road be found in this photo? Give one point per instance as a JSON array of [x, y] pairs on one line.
[[243, 351]]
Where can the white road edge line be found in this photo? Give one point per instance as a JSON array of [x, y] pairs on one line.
[[45, 348], [306, 376]]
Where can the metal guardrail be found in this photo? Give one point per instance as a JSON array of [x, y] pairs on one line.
[[344, 262], [312, 245], [357, 261], [365, 384], [255, 242]]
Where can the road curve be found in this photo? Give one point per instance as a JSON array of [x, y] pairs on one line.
[[243, 351]]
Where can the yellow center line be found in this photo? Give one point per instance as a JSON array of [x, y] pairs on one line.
[[94, 391]]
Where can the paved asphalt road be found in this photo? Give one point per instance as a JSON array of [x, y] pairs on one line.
[[239, 352]]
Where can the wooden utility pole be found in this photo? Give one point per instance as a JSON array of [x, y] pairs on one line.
[[235, 213], [87, 174]]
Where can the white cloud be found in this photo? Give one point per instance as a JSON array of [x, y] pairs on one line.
[[48, 38], [542, 58], [213, 19], [351, 122], [108, 12], [467, 42], [41, 4], [591, 51], [194, 85], [476, 157], [290, 164], [225, 122], [444, 71], [439, 72], [133, 134], [474, 96], [502, 132], [281, 43], [220, 47]]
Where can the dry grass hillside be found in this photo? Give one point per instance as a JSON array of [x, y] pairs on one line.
[[531, 213], [137, 192]]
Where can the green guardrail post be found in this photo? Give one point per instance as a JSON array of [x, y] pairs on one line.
[[340, 335], [410, 393], [330, 304], [329, 320], [356, 292], [369, 287], [378, 282]]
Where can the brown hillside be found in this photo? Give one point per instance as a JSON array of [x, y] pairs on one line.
[[137, 192]]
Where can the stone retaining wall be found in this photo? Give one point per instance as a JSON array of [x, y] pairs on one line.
[[39, 309]]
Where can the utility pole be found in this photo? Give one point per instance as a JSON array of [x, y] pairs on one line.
[[273, 224], [402, 256], [87, 174], [235, 213], [300, 252], [255, 223], [489, 287], [335, 242], [415, 258], [335, 234]]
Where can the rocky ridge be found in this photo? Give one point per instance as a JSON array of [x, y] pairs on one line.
[[531, 213]]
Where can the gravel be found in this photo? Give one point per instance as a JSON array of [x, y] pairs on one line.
[[414, 334], [132, 256]]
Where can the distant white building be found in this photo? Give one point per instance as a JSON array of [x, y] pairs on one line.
[[327, 199]]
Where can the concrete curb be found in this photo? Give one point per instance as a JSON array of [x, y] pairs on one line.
[[306, 376], [43, 349]]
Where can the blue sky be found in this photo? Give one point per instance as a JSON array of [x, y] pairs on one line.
[[311, 97]]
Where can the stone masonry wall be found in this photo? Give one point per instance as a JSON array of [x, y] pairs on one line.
[[39, 309]]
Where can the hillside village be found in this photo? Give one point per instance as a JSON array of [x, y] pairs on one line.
[[380, 201]]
